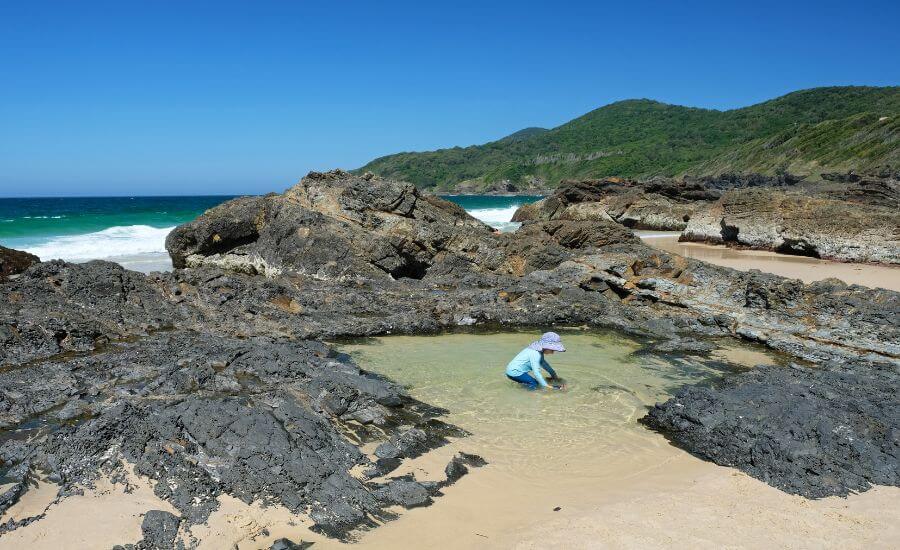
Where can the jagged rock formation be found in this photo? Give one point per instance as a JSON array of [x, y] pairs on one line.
[[208, 380], [659, 203], [55, 307], [337, 226], [846, 217], [205, 415], [865, 228], [330, 226]]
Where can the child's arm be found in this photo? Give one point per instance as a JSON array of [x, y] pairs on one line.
[[547, 367], [536, 370]]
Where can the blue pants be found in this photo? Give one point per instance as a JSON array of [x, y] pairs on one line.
[[525, 379]]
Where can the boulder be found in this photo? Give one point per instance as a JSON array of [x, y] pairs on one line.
[[159, 528], [331, 226], [13, 262]]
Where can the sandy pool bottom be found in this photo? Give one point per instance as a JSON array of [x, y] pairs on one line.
[[567, 469]]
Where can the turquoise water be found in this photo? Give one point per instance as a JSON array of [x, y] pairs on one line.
[[46, 217], [132, 230], [494, 211]]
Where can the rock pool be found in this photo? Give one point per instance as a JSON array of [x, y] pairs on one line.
[[544, 449]]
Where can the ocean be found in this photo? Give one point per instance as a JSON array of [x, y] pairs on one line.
[[132, 230]]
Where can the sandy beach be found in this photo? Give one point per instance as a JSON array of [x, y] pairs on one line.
[[795, 267]]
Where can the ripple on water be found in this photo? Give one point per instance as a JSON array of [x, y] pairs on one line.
[[609, 387]]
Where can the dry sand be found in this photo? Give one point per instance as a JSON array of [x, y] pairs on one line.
[[663, 498], [794, 267], [102, 517]]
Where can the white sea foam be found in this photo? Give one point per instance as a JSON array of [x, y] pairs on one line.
[[113, 242], [498, 218]]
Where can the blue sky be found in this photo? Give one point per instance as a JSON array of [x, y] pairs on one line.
[[125, 98]]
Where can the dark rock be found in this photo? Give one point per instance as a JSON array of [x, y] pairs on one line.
[[409, 494], [13, 262], [55, 307], [388, 450], [683, 345], [287, 544], [159, 529], [457, 467], [11, 495], [816, 432], [227, 415]]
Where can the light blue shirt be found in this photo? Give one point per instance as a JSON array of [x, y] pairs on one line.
[[529, 360]]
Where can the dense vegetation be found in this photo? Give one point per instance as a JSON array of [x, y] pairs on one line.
[[805, 132]]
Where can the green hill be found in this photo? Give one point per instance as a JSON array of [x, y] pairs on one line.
[[806, 132], [864, 142]]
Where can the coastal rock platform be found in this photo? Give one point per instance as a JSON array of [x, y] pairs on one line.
[[212, 379]]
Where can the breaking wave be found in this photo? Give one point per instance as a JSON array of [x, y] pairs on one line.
[[498, 218], [113, 242]]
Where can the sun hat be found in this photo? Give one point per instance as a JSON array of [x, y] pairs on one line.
[[549, 340]]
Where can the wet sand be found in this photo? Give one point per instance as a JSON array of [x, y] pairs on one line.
[[616, 484], [795, 267]]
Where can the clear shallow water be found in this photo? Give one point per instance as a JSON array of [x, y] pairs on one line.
[[608, 388], [546, 450], [132, 230]]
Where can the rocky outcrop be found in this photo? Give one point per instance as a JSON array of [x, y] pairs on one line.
[[205, 415], [338, 226], [845, 217], [13, 262], [55, 307], [329, 226], [659, 203], [874, 189], [816, 431], [809, 223], [533, 186], [209, 379]]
